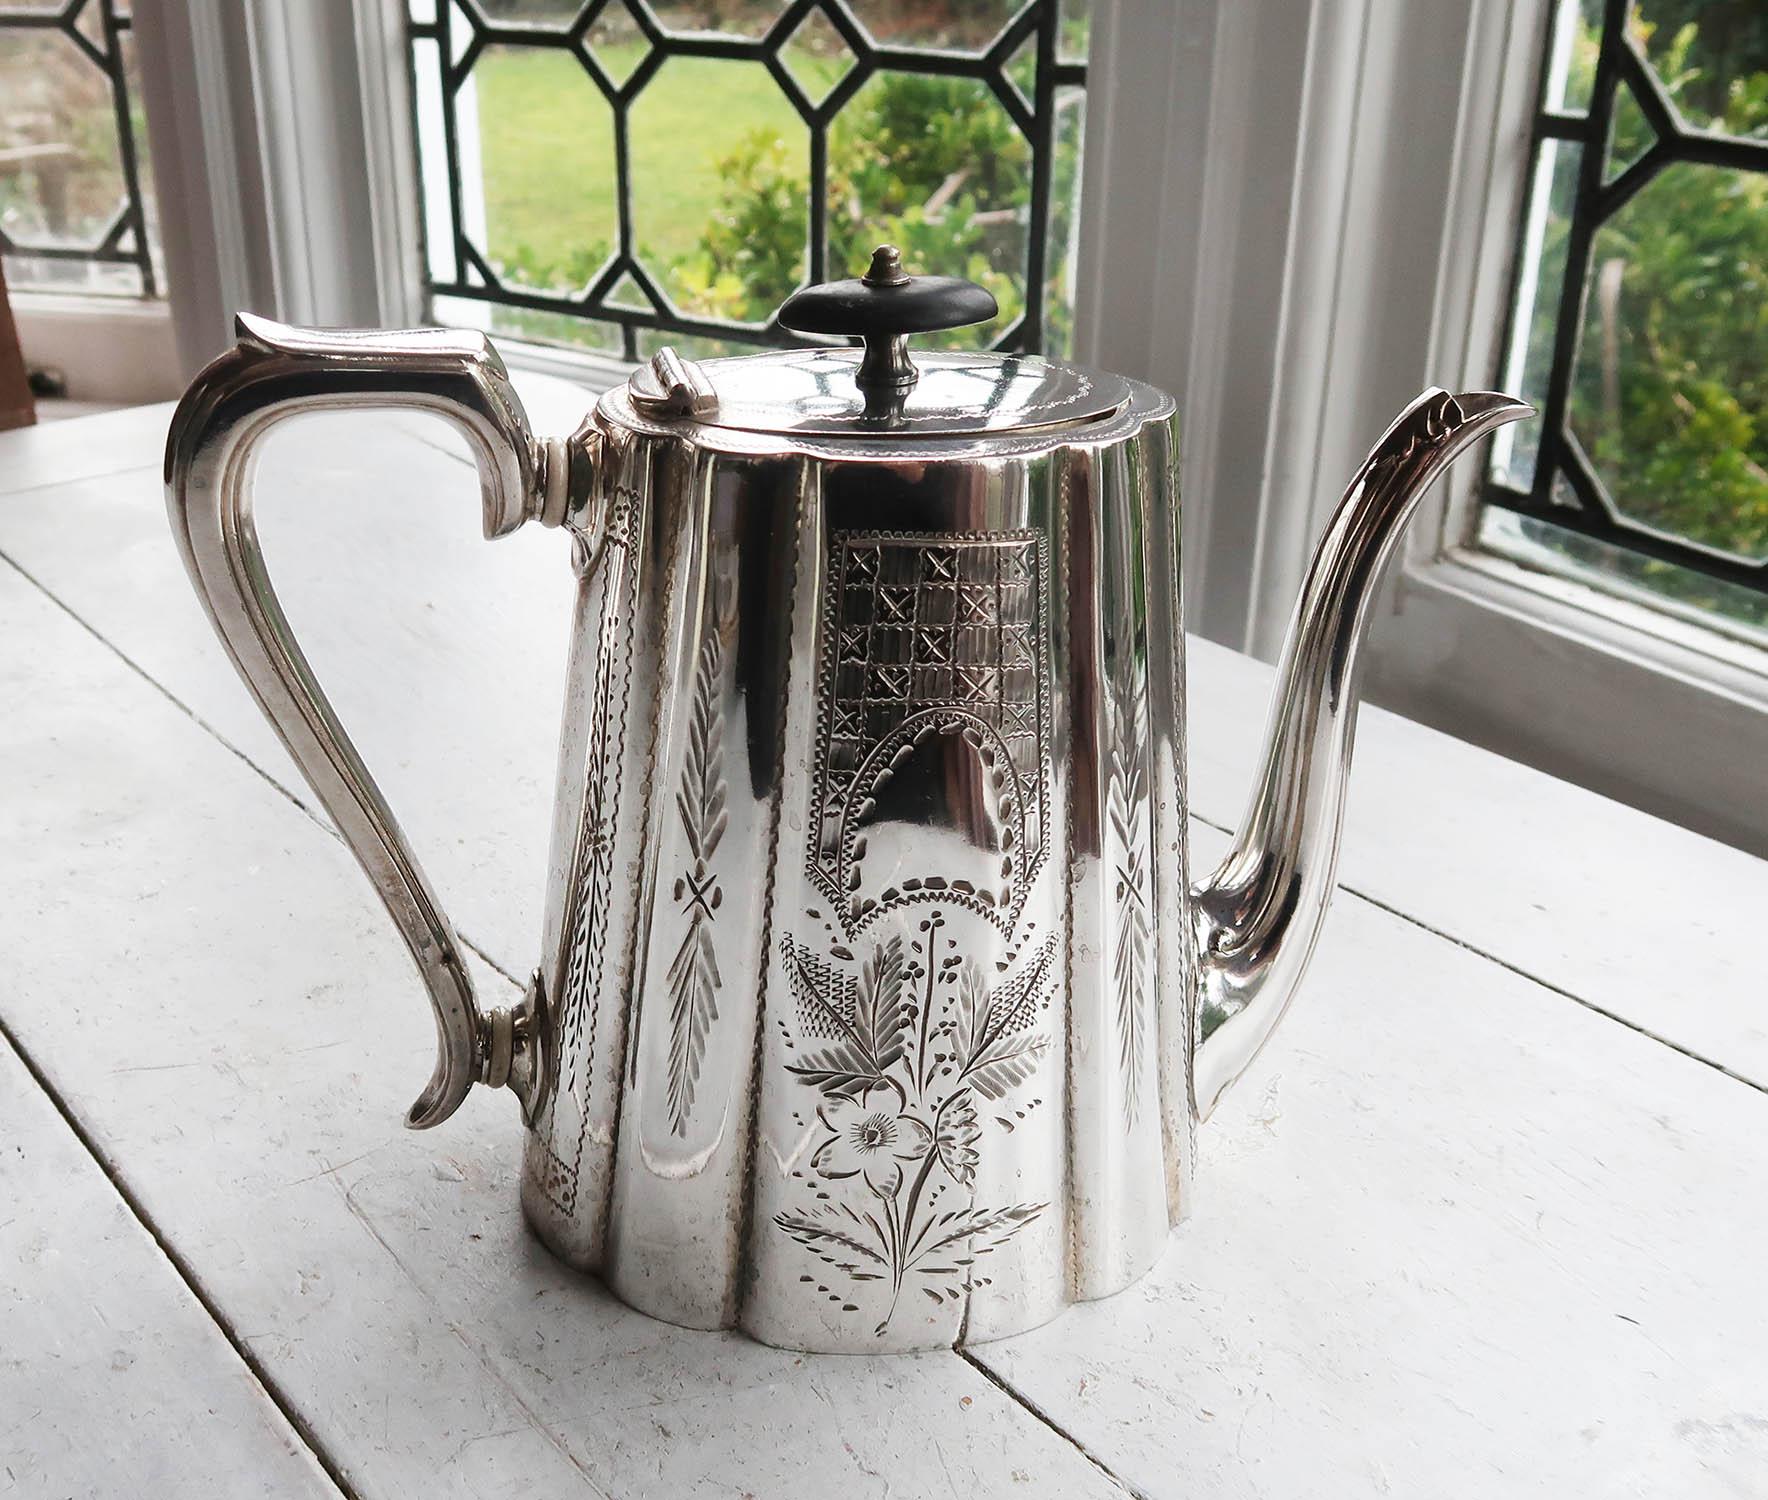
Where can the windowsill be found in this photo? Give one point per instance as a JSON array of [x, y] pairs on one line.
[[582, 367], [1654, 638], [61, 408], [121, 351], [1622, 699]]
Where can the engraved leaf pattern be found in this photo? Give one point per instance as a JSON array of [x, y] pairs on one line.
[[828, 1239], [879, 1012], [1005, 1063], [901, 1041], [1126, 809], [854, 1064], [977, 1230], [700, 798]]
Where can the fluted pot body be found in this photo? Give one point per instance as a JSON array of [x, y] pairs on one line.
[[876, 1010], [866, 995]]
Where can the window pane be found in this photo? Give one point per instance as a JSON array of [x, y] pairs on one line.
[[731, 18], [537, 169], [967, 26], [1571, 60], [722, 226], [936, 166], [1630, 135], [1064, 223], [550, 13], [75, 208], [1076, 29], [627, 178], [1670, 399], [1640, 320], [1540, 284], [1713, 57], [1731, 608]]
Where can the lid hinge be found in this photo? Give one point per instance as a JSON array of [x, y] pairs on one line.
[[671, 387]]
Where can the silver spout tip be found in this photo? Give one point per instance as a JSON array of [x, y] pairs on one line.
[[1491, 409]]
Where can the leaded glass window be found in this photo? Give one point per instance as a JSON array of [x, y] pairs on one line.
[[76, 206], [619, 174], [1639, 322]]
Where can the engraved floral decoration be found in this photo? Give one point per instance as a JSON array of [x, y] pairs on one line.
[[873, 1141], [900, 1054]]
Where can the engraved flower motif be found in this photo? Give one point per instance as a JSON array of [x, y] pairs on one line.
[[955, 1135], [869, 1140]]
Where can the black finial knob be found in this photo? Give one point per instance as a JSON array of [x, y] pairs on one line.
[[886, 269], [883, 307]]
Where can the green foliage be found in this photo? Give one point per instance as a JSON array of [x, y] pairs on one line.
[[564, 270], [752, 253], [932, 164], [1713, 54], [1670, 391], [905, 142]]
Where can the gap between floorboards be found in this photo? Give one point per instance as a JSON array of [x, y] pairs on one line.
[[267, 1383]]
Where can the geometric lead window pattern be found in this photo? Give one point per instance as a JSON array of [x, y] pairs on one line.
[[586, 166], [75, 206], [1639, 314]]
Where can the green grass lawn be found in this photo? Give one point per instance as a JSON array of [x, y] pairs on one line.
[[547, 146]]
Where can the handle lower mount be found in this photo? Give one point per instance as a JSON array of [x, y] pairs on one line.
[[276, 372]]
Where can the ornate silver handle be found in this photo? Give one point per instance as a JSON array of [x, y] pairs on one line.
[[275, 372]]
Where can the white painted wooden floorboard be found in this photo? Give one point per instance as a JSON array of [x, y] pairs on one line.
[[1655, 924], [444, 655], [114, 1382], [1455, 1237], [82, 448], [202, 977]]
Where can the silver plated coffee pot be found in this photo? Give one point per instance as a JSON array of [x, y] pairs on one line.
[[876, 1009]]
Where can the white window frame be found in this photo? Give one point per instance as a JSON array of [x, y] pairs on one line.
[[1335, 191], [1297, 214]]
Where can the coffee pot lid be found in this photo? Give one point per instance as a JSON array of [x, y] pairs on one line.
[[878, 390]]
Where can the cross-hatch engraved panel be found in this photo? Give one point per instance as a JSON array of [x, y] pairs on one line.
[[928, 636]]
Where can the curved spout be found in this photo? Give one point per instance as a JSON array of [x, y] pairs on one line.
[[1259, 914]]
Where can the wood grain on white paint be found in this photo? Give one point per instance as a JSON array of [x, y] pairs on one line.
[[1454, 1236], [114, 1382]]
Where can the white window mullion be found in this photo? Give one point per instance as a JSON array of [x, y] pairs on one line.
[[196, 93]]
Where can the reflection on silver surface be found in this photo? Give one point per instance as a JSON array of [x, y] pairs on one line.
[[816, 392], [872, 981]]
